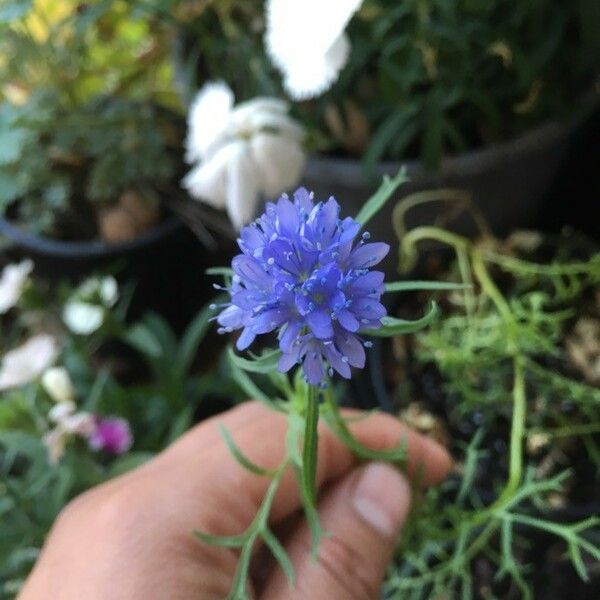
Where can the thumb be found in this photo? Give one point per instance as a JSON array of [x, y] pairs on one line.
[[363, 513]]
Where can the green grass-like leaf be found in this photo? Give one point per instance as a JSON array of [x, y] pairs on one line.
[[409, 286], [241, 458], [376, 202], [260, 364], [392, 326]]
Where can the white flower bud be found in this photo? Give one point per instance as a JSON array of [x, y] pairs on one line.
[[57, 383]]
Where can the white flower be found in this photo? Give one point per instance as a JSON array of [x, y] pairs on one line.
[[82, 318], [23, 364], [61, 411], [84, 313], [306, 41], [58, 385], [242, 152], [12, 280], [109, 291], [68, 424]]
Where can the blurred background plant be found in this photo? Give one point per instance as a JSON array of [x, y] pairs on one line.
[[508, 377], [81, 405], [89, 135], [422, 79]]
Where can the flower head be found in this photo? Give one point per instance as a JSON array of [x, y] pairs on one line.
[[85, 312], [111, 434], [241, 153], [12, 281], [23, 364], [308, 69], [58, 385], [302, 274]]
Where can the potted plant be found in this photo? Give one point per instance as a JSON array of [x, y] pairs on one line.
[[477, 96], [90, 136], [508, 378]]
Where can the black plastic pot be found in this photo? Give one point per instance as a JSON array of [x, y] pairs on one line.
[[166, 265], [508, 181]]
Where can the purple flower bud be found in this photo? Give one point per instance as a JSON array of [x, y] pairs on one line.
[[112, 435]]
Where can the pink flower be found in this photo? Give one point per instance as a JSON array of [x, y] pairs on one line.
[[112, 435]]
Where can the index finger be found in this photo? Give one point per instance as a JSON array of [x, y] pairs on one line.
[[201, 461]]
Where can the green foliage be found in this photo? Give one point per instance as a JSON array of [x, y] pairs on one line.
[[155, 386], [428, 77], [501, 354], [85, 113]]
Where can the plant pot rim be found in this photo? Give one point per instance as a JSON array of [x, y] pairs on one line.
[[472, 160], [89, 248]]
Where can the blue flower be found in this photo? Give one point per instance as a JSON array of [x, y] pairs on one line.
[[302, 274]]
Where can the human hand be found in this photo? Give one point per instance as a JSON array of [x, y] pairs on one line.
[[131, 538]]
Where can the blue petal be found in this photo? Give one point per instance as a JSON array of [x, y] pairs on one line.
[[288, 220], [290, 335], [252, 271], [248, 299], [232, 316], [336, 360], [252, 239], [289, 359], [348, 230], [365, 284], [368, 255], [285, 256], [268, 320], [313, 365], [348, 321], [320, 324], [245, 339], [302, 200], [368, 308], [350, 346]]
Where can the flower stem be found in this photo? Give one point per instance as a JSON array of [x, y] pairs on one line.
[[311, 441]]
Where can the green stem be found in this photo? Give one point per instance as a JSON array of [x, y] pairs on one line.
[[311, 442]]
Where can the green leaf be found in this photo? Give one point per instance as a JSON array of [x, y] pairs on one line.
[[260, 364], [223, 541], [397, 455], [381, 196], [192, 337], [243, 460], [143, 339], [392, 326], [253, 391], [405, 286], [280, 555], [224, 271]]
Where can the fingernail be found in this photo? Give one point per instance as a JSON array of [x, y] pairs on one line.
[[382, 498]]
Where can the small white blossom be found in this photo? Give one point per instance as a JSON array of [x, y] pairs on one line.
[[109, 291], [61, 411], [12, 280], [23, 364], [83, 318], [58, 385], [243, 153], [68, 424], [84, 313], [306, 42]]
